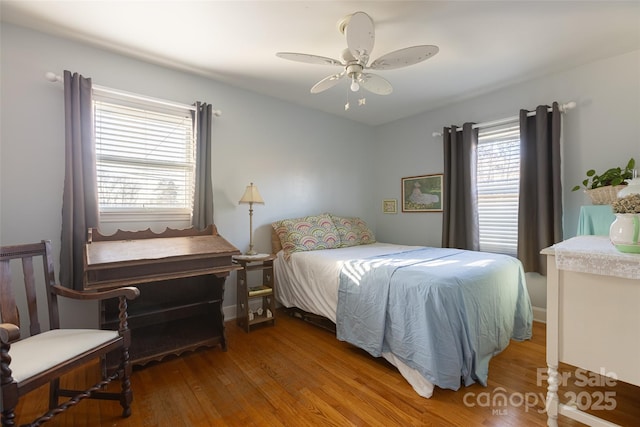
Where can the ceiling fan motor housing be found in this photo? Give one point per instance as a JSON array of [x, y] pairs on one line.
[[354, 70]]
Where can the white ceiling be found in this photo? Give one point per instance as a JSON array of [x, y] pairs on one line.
[[484, 45]]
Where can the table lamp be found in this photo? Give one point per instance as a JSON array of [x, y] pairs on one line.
[[251, 196]]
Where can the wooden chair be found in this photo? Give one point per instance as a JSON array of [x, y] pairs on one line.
[[41, 358]]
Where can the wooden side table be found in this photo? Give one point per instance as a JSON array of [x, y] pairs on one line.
[[246, 318]]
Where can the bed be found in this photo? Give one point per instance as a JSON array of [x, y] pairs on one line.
[[437, 314]]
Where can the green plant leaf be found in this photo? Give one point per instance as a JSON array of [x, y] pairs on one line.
[[631, 164], [612, 176]]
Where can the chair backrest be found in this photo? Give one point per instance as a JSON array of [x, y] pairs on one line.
[[8, 307]]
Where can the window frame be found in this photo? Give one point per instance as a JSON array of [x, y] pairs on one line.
[[149, 214], [494, 241]]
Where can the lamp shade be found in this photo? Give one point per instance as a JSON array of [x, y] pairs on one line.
[[251, 195]]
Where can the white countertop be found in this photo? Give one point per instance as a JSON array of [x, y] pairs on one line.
[[595, 255]]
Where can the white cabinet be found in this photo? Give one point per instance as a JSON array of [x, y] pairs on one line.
[[593, 316]]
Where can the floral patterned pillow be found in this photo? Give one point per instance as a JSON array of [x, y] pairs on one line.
[[307, 233], [353, 231]]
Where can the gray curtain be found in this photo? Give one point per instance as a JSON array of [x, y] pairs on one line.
[[540, 206], [203, 195], [80, 192], [460, 227]]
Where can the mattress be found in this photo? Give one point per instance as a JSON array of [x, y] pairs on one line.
[[310, 280], [460, 308]]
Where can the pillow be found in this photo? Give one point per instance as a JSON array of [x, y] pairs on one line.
[[307, 233], [353, 231]]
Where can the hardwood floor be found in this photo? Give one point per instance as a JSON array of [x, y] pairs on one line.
[[296, 374]]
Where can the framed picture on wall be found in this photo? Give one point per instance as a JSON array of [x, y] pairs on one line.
[[422, 193], [390, 206]]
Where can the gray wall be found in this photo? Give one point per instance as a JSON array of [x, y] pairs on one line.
[[302, 161], [601, 132]]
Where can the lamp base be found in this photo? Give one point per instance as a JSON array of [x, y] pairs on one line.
[[251, 252]]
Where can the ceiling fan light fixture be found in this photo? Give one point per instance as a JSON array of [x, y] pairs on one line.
[[354, 84]]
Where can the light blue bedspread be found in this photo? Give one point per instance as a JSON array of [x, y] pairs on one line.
[[444, 312]]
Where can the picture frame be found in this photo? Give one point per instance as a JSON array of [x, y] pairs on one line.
[[422, 193], [390, 206]]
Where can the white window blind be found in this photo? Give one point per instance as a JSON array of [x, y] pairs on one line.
[[145, 158], [498, 183]]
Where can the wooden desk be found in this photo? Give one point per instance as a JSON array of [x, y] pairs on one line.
[[181, 276], [593, 316]]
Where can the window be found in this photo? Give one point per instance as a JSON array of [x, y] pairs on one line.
[[145, 159], [498, 184]]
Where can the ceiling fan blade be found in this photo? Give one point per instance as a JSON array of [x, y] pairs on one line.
[[404, 57], [327, 82], [308, 59], [360, 36], [375, 84]]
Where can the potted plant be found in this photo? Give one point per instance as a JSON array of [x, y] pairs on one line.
[[625, 230], [627, 205], [603, 188]]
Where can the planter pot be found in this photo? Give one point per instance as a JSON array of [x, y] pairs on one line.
[[624, 233], [604, 195]]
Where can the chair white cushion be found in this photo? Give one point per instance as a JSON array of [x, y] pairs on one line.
[[38, 353]]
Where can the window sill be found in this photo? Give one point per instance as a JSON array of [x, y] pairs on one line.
[[144, 216]]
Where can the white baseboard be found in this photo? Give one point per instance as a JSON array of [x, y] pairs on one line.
[[229, 312], [540, 314]]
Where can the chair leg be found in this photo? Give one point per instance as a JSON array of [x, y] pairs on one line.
[[8, 417], [54, 389], [126, 395]]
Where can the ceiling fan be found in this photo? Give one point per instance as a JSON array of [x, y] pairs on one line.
[[359, 31]]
